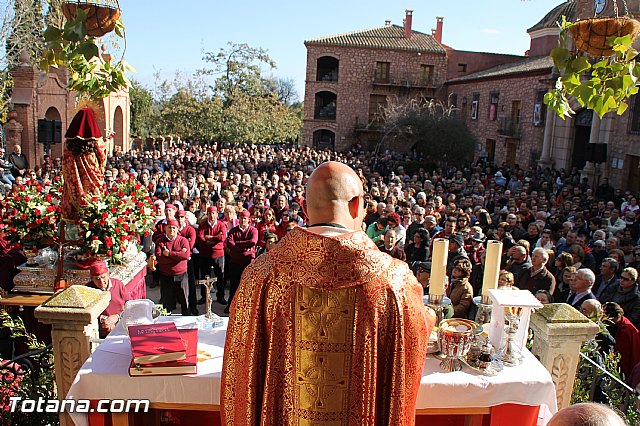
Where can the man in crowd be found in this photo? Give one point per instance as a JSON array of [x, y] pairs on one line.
[[172, 254], [581, 288], [537, 277], [211, 236], [607, 278], [625, 293], [281, 293], [189, 232], [101, 279], [241, 242]]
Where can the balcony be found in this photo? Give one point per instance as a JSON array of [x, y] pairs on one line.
[[508, 127], [403, 82]]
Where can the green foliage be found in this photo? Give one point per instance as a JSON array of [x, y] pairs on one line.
[[239, 70], [432, 127], [90, 72], [602, 86], [238, 106], [190, 118], [25, 386], [141, 109]]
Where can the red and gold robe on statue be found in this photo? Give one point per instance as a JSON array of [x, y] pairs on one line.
[[83, 162], [83, 175], [325, 331]]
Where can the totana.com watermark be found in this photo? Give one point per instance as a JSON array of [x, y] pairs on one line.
[[40, 405]]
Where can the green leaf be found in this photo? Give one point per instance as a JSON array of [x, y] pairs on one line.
[[52, 34], [580, 64], [561, 57], [622, 108]]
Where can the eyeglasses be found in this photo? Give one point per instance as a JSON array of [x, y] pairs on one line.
[[626, 279]]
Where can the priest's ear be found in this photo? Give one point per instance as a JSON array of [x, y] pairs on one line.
[[356, 207]]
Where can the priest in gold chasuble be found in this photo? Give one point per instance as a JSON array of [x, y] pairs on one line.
[[325, 329]]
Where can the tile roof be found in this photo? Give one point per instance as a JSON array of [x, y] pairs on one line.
[[567, 8], [386, 37], [526, 65]]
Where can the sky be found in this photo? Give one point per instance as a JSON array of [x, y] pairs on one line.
[[166, 37]]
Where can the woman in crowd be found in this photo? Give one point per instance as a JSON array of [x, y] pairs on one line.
[[418, 249]]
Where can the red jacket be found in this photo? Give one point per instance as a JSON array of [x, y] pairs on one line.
[[242, 245], [628, 345], [179, 252], [189, 232], [215, 247]]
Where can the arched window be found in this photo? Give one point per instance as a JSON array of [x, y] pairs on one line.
[[324, 139], [325, 107], [327, 67]]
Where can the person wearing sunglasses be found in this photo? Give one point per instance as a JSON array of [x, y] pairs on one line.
[[625, 293]]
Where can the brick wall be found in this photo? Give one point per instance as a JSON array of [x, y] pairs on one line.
[[474, 61], [521, 88], [355, 85]]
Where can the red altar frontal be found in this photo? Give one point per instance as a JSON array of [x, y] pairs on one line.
[[520, 395]]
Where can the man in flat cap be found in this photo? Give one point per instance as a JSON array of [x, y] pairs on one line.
[[101, 279], [172, 253]]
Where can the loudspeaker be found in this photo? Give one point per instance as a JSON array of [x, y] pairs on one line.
[[45, 131], [57, 131]]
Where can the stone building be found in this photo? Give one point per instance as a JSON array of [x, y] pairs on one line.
[[351, 76], [499, 97], [38, 95]]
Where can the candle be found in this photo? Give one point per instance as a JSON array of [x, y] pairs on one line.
[[491, 266], [438, 266]]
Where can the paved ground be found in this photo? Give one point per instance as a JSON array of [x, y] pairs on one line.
[[154, 294]]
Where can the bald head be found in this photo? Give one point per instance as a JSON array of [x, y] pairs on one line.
[[591, 308], [334, 194], [586, 414]]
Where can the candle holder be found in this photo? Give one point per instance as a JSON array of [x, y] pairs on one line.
[[509, 352], [436, 303], [483, 314]]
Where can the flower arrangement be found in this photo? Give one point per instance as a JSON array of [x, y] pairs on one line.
[[33, 214], [116, 219]]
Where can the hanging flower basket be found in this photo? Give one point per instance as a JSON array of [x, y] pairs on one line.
[[591, 35], [101, 17]]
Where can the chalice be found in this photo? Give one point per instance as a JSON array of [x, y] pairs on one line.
[[455, 336], [509, 352]]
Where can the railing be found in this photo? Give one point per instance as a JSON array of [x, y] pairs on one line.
[[406, 82], [507, 127], [29, 364], [605, 387]]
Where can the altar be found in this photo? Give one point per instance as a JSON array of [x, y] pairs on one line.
[[516, 391]]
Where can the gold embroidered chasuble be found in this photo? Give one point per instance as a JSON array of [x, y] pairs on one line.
[[325, 331]]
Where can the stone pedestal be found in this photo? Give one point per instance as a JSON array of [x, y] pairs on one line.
[[73, 315], [559, 331]]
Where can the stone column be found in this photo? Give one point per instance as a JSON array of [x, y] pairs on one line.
[[549, 125], [559, 331], [589, 170], [13, 130], [73, 315]]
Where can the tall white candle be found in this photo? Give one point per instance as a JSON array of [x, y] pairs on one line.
[[491, 266], [438, 266]]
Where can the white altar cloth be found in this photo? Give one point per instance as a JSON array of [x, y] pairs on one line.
[[105, 376]]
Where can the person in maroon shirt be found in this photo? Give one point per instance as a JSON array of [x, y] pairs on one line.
[[626, 335], [101, 279], [172, 254], [189, 232], [241, 242], [211, 236]]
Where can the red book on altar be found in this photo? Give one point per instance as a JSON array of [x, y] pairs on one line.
[[151, 343], [188, 365]]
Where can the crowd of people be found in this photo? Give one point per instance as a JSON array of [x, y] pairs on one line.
[[219, 206]]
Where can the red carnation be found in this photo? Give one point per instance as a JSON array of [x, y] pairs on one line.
[[38, 221], [51, 209]]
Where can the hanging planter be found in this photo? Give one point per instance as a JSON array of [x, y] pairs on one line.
[[101, 17], [598, 83], [74, 44], [592, 36]]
